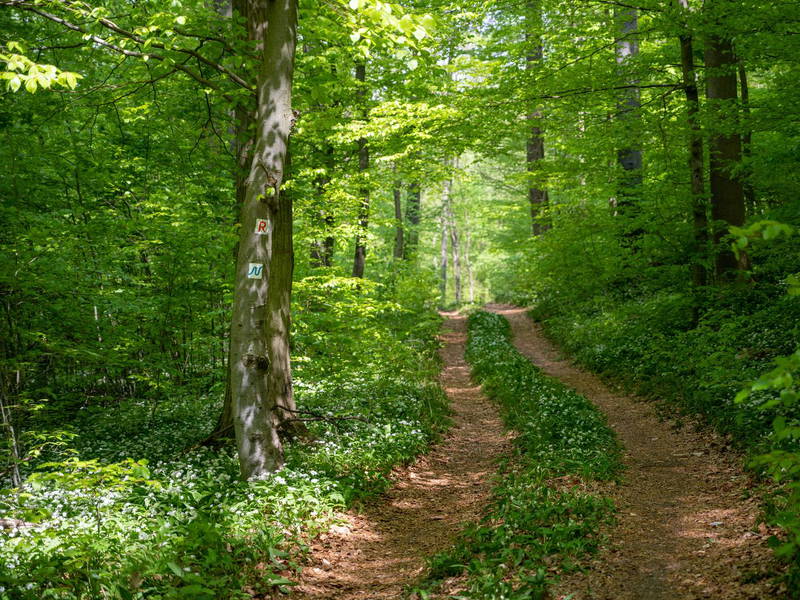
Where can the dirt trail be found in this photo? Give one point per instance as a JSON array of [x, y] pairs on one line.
[[686, 525], [382, 548]]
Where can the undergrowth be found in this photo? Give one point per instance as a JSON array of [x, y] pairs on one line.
[[122, 511], [542, 520]]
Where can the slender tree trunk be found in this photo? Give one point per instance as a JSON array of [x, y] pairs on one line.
[[399, 250], [699, 204], [629, 156], [443, 261], [413, 212], [468, 265], [359, 260], [11, 434], [725, 148], [537, 194], [454, 246], [242, 145], [258, 334], [322, 249], [751, 201]]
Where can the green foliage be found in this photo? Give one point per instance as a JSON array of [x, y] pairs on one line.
[[541, 521], [184, 526]]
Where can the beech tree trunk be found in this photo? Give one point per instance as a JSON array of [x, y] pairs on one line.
[[242, 145], [452, 228], [468, 264], [261, 391], [537, 194], [699, 204], [629, 156], [747, 142], [725, 148], [399, 250], [322, 249], [360, 258], [413, 212]]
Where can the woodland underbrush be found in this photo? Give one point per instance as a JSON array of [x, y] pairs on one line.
[[542, 520], [130, 506], [734, 362]]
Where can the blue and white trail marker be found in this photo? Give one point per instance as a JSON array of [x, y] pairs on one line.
[[255, 271]]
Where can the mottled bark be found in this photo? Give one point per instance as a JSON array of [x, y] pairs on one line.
[[452, 228], [322, 249], [360, 258], [725, 148], [468, 265], [537, 194], [399, 249], [443, 260], [413, 212], [629, 156], [751, 201], [242, 146], [699, 203], [260, 381]]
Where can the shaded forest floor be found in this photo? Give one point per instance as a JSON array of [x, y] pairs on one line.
[[687, 524]]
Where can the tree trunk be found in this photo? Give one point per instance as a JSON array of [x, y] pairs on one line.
[[629, 157], [399, 250], [322, 250], [725, 149], [443, 261], [413, 212], [747, 143], [468, 265], [259, 334], [242, 145], [537, 194], [359, 260], [699, 204], [452, 229]]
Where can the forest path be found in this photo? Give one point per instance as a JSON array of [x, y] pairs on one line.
[[382, 548], [686, 524]]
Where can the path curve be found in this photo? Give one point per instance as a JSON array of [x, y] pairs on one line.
[[383, 547], [687, 525]]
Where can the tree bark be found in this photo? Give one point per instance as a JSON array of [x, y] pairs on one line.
[[413, 212], [725, 148], [537, 194], [750, 198], [699, 204], [399, 250], [454, 241], [259, 333], [468, 265], [322, 249], [443, 261], [360, 258], [629, 157], [242, 146]]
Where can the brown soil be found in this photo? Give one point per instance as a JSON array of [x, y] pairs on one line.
[[688, 522], [382, 548]]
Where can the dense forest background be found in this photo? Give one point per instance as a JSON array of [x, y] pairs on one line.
[[629, 170]]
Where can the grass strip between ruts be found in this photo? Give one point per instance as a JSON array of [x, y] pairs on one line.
[[543, 519]]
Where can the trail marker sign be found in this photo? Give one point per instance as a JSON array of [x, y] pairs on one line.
[[255, 271], [262, 227]]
